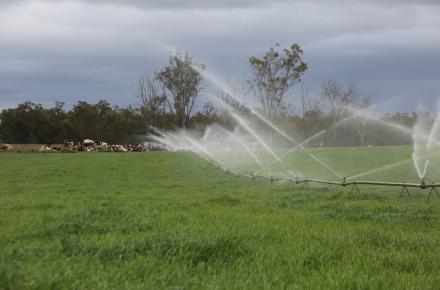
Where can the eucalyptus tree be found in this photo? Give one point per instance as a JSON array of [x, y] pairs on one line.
[[183, 82], [274, 75]]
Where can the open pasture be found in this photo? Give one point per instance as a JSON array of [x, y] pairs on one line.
[[172, 220]]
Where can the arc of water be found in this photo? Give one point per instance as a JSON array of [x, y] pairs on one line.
[[281, 132], [389, 166], [296, 147], [426, 162], [169, 137], [365, 114], [316, 135], [208, 156], [419, 136], [164, 134], [246, 147], [240, 141], [429, 145], [292, 173], [215, 80], [171, 145], [415, 159], [425, 168], [325, 165], [227, 89], [164, 138], [198, 146], [433, 130], [255, 135], [405, 130]]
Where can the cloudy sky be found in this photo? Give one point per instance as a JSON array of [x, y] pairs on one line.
[[57, 50]]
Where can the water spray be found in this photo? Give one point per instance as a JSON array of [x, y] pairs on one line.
[[254, 134], [327, 166]]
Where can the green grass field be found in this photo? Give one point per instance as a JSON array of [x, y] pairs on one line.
[[172, 221]]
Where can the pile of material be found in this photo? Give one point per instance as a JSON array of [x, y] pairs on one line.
[[46, 149], [6, 147], [88, 145]]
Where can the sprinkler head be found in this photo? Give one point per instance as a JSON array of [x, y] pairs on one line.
[[423, 184]]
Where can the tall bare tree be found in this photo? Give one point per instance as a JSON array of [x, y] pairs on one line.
[[307, 102], [339, 98], [275, 74], [153, 101], [183, 81], [342, 99]]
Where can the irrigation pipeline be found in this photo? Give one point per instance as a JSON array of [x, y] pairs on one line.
[[344, 183]]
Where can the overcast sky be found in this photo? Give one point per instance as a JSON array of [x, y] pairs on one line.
[[88, 50]]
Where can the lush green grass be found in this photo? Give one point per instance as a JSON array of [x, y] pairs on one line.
[[171, 220]]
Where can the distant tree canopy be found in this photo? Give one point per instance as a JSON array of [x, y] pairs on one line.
[[31, 123]]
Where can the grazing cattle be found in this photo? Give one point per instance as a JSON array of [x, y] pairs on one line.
[[68, 144]]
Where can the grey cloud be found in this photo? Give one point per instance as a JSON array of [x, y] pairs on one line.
[[164, 4], [54, 50], [227, 4]]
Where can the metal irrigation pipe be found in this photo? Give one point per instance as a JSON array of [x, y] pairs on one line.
[[422, 185], [343, 183]]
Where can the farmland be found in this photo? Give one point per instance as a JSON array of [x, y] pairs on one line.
[[172, 220]]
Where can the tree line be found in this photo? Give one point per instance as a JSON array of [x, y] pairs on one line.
[[169, 98]]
